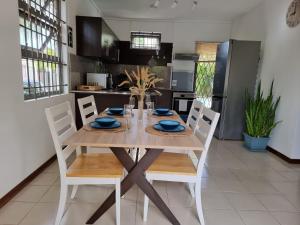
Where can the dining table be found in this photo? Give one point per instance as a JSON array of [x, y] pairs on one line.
[[136, 135]]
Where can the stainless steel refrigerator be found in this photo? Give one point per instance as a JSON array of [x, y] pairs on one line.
[[236, 71]]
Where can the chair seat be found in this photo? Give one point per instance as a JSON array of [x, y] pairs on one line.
[[173, 163], [103, 165]]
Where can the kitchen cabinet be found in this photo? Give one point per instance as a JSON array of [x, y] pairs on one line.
[[95, 39], [131, 56]]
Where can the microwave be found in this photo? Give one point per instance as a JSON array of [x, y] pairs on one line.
[[98, 79]]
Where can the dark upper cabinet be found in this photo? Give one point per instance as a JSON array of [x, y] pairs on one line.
[[142, 56], [95, 39]]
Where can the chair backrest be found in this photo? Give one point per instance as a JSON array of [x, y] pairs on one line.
[[88, 109], [204, 131], [62, 126], [195, 114]]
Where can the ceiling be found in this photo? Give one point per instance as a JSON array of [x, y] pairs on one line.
[[207, 9]]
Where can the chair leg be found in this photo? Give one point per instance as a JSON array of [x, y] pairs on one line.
[[199, 202], [192, 189], [62, 202], [118, 203], [74, 191], [146, 205]]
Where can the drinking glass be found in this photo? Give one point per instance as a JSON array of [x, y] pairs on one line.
[[150, 108], [147, 99], [127, 115], [131, 104], [127, 109]]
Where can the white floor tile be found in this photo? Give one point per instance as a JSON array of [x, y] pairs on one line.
[[45, 179], [222, 217], [31, 193], [287, 218], [14, 212], [215, 200], [275, 202], [244, 202], [257, 218], [41, 214]]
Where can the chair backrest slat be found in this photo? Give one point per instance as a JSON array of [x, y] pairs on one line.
[[195, 114], [62, 125], [68, 151], [203, 130], [66, 134], [88, 109]]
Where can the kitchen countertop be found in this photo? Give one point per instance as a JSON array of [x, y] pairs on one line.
[[110, 92]]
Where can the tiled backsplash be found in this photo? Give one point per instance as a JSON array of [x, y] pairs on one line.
[[79, 66], [161, 71]]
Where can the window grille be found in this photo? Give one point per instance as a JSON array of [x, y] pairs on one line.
[[205, 71], [42, 47], [145, 40]]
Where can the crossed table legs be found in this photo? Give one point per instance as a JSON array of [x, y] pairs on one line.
[[136, 176]]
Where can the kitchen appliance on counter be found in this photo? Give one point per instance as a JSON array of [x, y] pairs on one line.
[[99, 79], [236, 71], [183, 74], [182, 103]]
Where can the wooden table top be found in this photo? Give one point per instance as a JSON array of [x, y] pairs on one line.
[[135, 137]]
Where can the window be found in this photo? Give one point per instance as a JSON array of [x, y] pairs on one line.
[[205, 71], [145, 40], [42, 48]]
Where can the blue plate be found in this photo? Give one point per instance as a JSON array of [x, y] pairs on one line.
[[105, 121], [162, 110], [169, 124], [180, 128], [166, 114], [96, 125], [116, 111], [114, 114]]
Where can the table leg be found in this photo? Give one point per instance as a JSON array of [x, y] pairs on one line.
[[136, 175]]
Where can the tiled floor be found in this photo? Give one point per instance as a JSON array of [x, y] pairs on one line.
[[239, 188]]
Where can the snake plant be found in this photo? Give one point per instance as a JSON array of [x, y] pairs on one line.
[[260, 113]]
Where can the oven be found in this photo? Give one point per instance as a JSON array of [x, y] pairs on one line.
[[182, 103]]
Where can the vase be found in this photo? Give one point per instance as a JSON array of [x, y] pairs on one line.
[[140, 108]]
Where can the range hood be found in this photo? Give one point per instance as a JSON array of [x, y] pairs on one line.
[[186, 56]]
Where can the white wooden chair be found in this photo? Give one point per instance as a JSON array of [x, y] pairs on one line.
[[86, 169], [185, 168], [88, 111], [193, 118]]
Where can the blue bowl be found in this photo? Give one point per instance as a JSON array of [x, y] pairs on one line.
[[169, 124], [162, 110], [105, 121], [115, 110]]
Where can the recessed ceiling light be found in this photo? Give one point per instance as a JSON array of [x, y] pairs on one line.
[[195, 4], [155, 4], [174, 4]]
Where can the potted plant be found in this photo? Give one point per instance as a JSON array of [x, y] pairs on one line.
[[260, 119]]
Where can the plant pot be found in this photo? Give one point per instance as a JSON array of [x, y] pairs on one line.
[[255, 144]]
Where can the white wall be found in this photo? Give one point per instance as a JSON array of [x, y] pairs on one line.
[[183, 34], [24, 134], [281, 63]]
